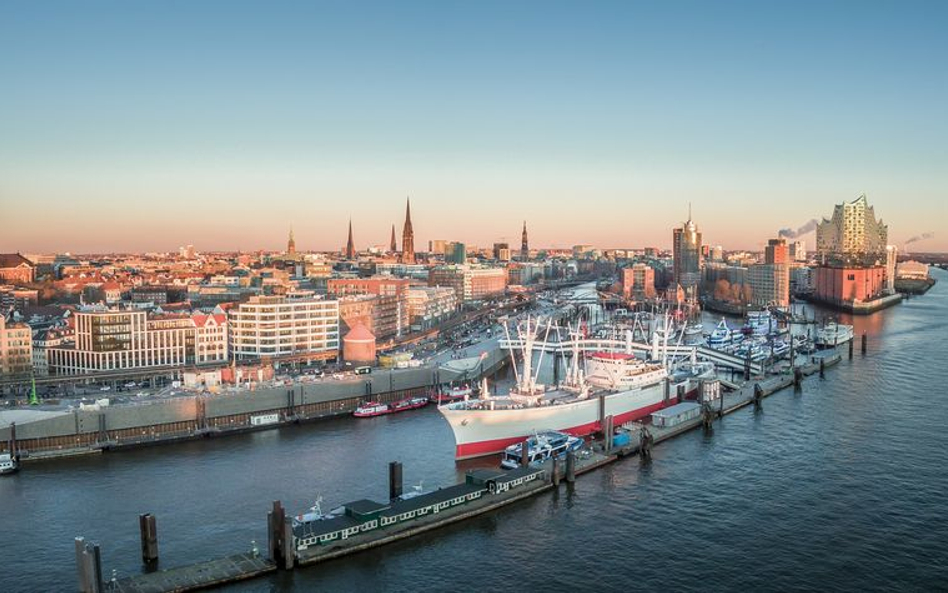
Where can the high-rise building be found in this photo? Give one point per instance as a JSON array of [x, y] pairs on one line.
[[350, 245], [686, 247], [770, 281], [437, 246], [408, 237], [798, 251], [524, 244], [456, 253], [852, 232]]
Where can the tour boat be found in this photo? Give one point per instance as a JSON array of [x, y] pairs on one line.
[[833, 334], [540, 447], [452, 394], [721, 336], [8, 464]]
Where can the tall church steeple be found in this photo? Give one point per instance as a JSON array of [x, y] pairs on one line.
[[408, 236], [350, 245], [291, 243], [524, 244], [393, 247]]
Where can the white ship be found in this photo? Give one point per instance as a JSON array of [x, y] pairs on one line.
[[626, 387], [833, 334]]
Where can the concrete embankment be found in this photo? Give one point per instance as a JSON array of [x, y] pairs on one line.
[[78, 432]]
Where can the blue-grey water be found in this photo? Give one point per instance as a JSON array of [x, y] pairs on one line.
[[839, 487]]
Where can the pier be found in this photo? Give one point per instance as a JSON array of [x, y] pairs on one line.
[[286, 550]]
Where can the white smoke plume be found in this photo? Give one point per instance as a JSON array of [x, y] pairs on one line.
[[806, 228]]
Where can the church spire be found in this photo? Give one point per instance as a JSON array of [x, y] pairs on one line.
[[291, 243], [408, 236], [524, 244], [350, 245], [393, 247]]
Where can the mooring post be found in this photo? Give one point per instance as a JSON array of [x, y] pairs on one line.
[[91, 570], [147, 525], [394, 480], [822, 368], [81, 574], [758, 394], [556, 471], [570, 467], [13, 451], [288, 555], [851, 349], [607, 435], [524, 453], [275, 531], [797, 378], [865, 343]]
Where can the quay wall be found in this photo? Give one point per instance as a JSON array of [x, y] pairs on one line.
[[188, 417]]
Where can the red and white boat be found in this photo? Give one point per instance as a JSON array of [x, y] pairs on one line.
[[629, 389], [371, 409]]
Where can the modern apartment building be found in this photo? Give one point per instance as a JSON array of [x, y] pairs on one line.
[[470, 283], [430, 305], [275, 326], [115, 340]]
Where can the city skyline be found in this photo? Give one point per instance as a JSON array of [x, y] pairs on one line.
[[220, 125]]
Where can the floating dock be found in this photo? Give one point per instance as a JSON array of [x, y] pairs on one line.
[[368, 524]]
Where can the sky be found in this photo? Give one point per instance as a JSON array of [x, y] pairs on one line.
[[142, 126]]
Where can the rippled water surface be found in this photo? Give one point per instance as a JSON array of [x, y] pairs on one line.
[[839, 487]]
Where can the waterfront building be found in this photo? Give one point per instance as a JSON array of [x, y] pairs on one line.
[[16, 349], [801, 280], [114, 339], [852, 232], [391, 308], [470, 283], [358, 346], [430, 305], [638, 282], [276, 326], [857, 265], [16, 269], [408, 237], [686, 247], [43, 339]]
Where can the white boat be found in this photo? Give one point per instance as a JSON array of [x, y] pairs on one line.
[[8, 464], [721, 336], [833, 334], [630, 389], [540, 447], [761, 323]]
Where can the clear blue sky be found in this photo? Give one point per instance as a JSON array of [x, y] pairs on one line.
[[146, 125]]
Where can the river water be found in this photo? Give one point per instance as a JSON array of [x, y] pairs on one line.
[[840, 486]]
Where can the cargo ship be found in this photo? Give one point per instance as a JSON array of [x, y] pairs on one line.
[[616, 384]]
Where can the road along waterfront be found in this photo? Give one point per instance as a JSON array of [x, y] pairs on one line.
[[837, 487]]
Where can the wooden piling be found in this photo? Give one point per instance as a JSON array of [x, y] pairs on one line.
[[797, 377], [851, 349], [865, 343], [570, 467], [394, 480], [13, 449], [81, 573], [556, 471], [147, 525], [822, 368], [524, 453], [276, 532]]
